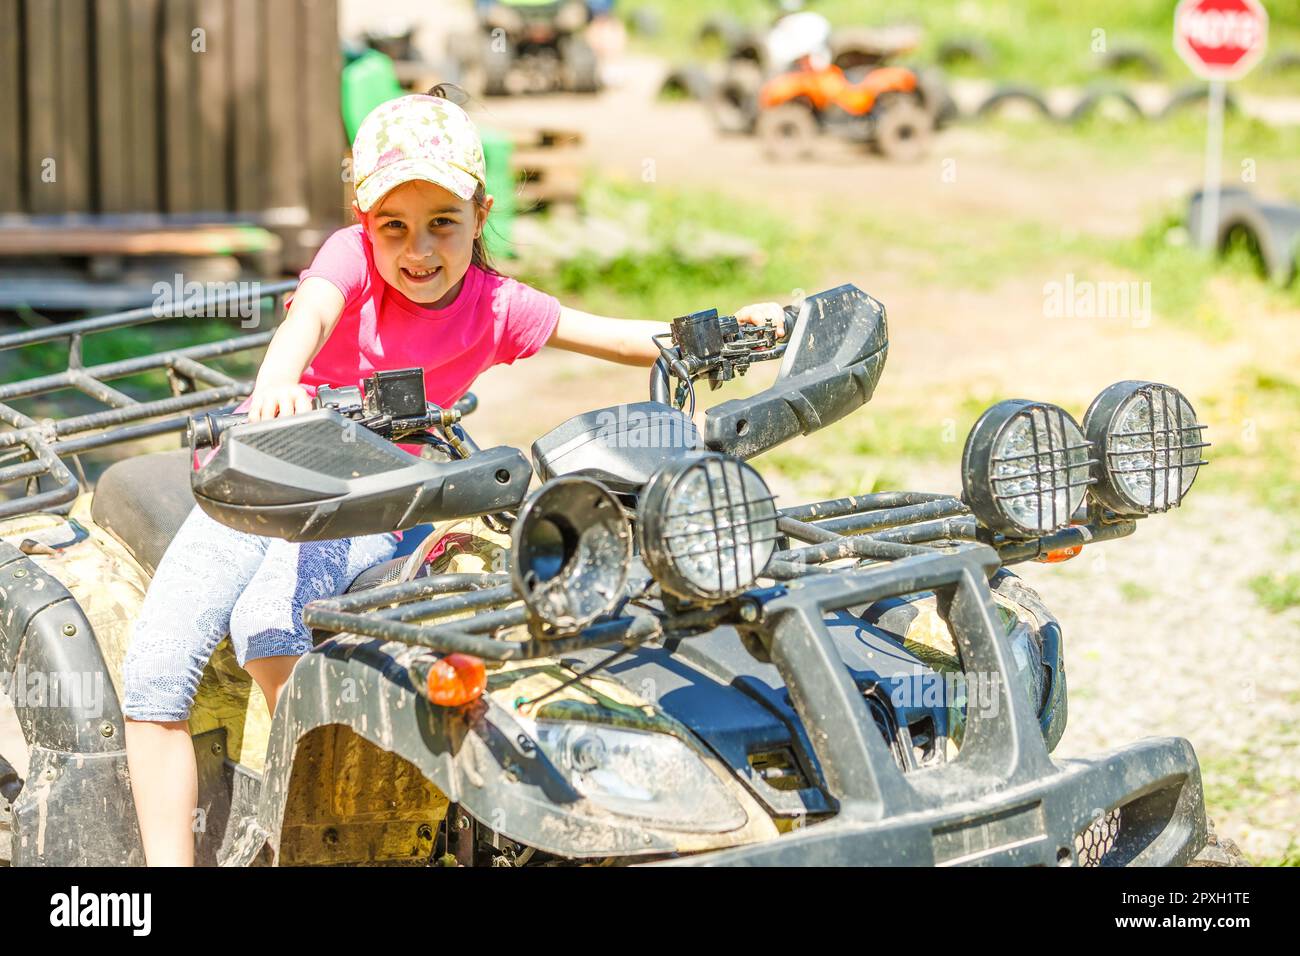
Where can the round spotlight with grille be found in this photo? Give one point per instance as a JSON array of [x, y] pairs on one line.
[[570, 547], [707, 526], [1149, 442], [1025, 468]]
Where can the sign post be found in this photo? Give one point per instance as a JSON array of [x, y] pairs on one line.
[[1220, 40]]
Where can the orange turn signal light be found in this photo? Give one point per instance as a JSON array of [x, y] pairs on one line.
[[455, 680], [1061, 554]]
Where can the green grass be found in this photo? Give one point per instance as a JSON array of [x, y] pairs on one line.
[[1033, 41], [1277, 592], [668, 281]]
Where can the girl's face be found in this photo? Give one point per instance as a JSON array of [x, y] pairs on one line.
[[423, 238]]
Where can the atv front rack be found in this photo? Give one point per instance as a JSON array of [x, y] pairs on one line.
[[32, 451], [465, 613]]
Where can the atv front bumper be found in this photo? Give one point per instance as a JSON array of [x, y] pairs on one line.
[[1002, 800], [1065, 818]]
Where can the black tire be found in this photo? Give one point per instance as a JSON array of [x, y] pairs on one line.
[[902, 127], [733, 102], [789, 132], [1132, 57], [723, 30], [580, 68], [1085, 108], [1193, 95], [690, 82], [932, 87], [963, 50], [1014, 94]]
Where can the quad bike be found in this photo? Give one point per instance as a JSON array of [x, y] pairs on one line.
[[822, 68], [882, 108], [527, 46], [644, 660]]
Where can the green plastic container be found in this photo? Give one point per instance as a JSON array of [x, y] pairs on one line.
[[368, 80], [497, 150]]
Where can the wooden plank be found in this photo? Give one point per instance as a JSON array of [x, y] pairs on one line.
[[322, 134], [248, 105], [144, 142], [211, 163], [93, 241], [72, 20], [284, 167], [112, 101], [44, 155], [180, 116], [11, 152]]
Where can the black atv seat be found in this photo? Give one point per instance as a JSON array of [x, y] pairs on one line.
[[143, 501]]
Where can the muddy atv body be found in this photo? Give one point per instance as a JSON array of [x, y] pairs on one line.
[[859, 681]]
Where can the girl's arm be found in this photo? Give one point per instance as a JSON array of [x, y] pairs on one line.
[[316, 308], [627, 341]]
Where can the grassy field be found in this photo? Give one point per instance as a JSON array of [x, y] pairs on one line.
[[1045, 42]]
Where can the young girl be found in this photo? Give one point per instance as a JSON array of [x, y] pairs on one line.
[[408, 285]]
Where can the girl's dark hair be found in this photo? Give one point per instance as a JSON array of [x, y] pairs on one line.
[[479, 257]]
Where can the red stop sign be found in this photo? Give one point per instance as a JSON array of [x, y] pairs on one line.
[[1220, 39]]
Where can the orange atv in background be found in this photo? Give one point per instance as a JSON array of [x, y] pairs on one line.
[[883, 108]]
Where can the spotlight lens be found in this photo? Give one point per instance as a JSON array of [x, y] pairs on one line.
[[711, 527], [1040, 468], [1155, 448]]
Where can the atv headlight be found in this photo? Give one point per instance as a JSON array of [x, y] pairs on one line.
[[708, 526], [643, 774], [1149, 443], [1025, 468], [569, 551]]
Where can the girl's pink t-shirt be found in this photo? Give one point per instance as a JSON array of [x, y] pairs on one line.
[[494, 320]]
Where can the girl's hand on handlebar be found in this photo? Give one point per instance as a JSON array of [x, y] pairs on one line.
[[278, 400], [761, 312]]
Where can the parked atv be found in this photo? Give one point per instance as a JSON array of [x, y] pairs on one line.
[[644, 660], [804, 83], [882, 109], [527, 46]]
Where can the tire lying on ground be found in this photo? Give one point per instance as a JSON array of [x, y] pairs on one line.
[[690, 81], [1094, 98], [902, 127], [1014, 93], [1193, 95], [733, 101], [963, 50], [1269, 231], [788, 132], [936, 99], [1127, 57]]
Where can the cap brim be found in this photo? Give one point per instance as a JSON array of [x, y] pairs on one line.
[[384, 180]]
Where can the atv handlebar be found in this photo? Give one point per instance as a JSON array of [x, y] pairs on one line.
[[705, 343], [205, 431]]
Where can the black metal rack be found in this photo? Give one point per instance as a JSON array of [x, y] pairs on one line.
[[33, 450]]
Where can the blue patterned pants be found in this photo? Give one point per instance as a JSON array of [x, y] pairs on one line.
[[214, 580]]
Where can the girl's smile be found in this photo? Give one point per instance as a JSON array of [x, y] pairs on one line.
[[423, 238]]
